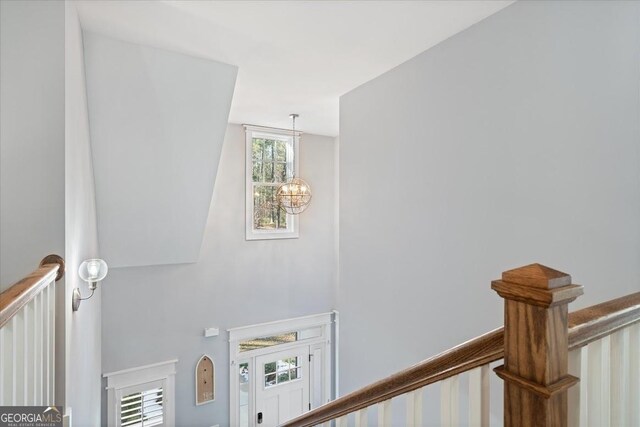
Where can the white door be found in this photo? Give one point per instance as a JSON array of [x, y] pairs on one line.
[[282, 386]]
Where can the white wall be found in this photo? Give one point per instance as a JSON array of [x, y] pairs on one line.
[[83, 328], [152, 314], [31, 136], [46, 181], [516, 141], [158, 120]]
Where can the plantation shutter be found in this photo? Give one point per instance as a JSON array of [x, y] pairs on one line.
[[143, 408]]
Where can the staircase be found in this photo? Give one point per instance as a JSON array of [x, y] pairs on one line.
[[559, 369], [27, 337]]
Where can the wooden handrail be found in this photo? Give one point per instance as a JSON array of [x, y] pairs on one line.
[[23, 291], [600, 320], [471, 354], [585, 325]]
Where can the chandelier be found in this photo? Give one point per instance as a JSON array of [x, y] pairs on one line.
[[294, 195]]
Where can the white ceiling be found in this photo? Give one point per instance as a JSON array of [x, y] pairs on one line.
[[293, 56]]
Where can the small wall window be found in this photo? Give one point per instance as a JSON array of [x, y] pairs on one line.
[[142, 397], [143, 408], [272, 156]]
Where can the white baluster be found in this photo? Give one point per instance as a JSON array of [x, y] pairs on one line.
[[8, 363], [584, 386], [14, 359], [30, 314], [449, 402], [384, 413], [52, 342], [479, 395], [342, 421], [620, 377], [18, 357], [414, 408], [598, 396], [574, 393], [45, 344], [37, 360], [634, 375], [26, 363], [361, 418]]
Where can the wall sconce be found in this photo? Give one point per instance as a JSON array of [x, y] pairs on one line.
[[91, 271]]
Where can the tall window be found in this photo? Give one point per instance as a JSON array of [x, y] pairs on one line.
[[271, 157]]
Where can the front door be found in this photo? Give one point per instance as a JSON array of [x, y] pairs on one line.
[[282, 386]]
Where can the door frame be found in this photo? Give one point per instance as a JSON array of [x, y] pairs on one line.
[[324, 321]]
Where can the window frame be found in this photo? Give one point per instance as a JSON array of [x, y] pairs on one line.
[[292, 230], [138, 379]]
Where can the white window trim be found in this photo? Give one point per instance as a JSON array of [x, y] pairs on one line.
[[240, 334], [120, 383], [292, 231]]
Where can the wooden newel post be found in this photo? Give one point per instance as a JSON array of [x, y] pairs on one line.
[[536, 345]]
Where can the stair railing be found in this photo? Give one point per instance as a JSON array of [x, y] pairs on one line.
[[557, 368], [27, 337]]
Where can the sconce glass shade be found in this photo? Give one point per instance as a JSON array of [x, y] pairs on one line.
[[93, 270]]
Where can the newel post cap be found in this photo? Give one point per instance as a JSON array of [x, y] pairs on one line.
[[537, 276], [538, 285]]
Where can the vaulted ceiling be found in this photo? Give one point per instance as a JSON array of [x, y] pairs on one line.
[[292, 56], [162, 86], [158, 120]]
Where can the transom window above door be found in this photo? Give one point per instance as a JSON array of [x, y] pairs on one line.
[[283, 338], [272, 155]]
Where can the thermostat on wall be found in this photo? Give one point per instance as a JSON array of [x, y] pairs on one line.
[[211, 332]]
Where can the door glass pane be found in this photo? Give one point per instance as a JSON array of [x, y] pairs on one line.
[[269, 367], [310, 333], [294, 374], [269, 380], [243, 379], [283, 377], [285, 370]]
